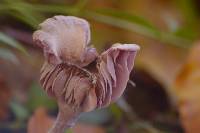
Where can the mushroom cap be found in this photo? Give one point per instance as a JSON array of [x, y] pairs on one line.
[[63, 39], [114, 68]]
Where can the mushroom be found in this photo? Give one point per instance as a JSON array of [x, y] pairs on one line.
[[74, 73]]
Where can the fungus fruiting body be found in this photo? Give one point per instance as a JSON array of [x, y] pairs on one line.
[[74, 73]]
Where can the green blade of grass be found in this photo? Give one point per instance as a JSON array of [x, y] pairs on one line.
[[61, 9], [6, 40], [20, 112], [22, 11], [112, 17], [143, 28], [81, 4], [6, 54], [189, 10], [121, 23], [129, 17]]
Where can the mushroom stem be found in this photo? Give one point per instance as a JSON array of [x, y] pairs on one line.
[[65, 120]]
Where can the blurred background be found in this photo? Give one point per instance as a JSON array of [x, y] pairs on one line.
[[166, 98]]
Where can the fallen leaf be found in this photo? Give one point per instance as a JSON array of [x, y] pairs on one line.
[[41, 122], [85, 128], [187, 86]]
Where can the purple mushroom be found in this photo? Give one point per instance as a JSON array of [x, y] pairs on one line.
[[74, 73]]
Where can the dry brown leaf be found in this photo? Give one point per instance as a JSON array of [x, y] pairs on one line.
[[187, 86], [85, 128], [41, 122]]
